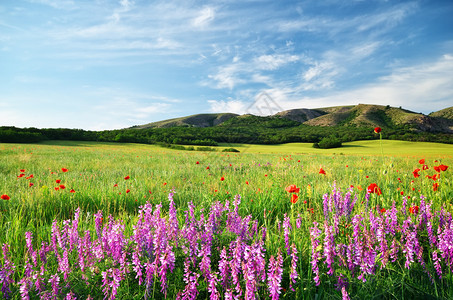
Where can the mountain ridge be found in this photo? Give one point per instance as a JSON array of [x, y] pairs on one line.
[[360, 115]]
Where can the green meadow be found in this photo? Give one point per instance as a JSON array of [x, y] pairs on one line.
[[47, 182]]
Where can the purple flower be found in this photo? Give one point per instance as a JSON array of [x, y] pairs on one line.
[[293, 275], [329, 252], [274, 275], [6, 272], [286, 230], [315, 253]]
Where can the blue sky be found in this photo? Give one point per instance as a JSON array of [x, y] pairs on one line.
[[102, 64]]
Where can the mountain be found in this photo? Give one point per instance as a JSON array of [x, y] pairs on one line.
[[361, 115], [198, 120]]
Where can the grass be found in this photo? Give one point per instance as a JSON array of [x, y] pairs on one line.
[[260, 174]]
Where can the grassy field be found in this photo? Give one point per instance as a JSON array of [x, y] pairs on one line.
[[46, 183]]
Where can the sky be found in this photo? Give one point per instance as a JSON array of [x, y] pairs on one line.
[[109, 64]]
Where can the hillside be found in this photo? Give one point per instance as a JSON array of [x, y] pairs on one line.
[[361, 115], [198, 120]]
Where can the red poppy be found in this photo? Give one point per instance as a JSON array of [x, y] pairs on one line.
[[294, 198], [373, 188], [5, 197], [321, 171], [435, 186], [31, 184], [292, 189], [415, 172], [413, 209], [127, 177], [197, 163], [434, 177], [383, 210], [31, 176], [62, 186], [115, 185], [437, 168], [246, 182], [127, 191], [222, 178], [21, 175], [377, 129], [207, 168], [22, 170], [57, 188], [72, 191], [165, 183], [425, 167], [58, 181], [421, 161], [64, 170], [443, 168]]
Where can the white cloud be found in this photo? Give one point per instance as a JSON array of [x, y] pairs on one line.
[[424, 87], [273, 62], [205, 16], [231, 106], [228, 76]]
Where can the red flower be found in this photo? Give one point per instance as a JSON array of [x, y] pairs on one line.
[[246, 182], [62, 186], [197, 163], [415, 172], [31, 176], [127, 177], [443, 168], [21, 175], [207, 168], [165, 183], [377, 129], [292, 189], [31, 184], [435, 186], [373, 188], [58, 181], [421, 161], [222, 178], [425, 167], [437, 169], [383, 210], [22, 170], [413, 209], [127, 191], [64, 170], [57, 188], [72, 191], [115, 185], [321, 171], [294, 198], [5, 197]]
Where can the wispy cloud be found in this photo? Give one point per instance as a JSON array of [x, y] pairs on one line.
[[206, 16]]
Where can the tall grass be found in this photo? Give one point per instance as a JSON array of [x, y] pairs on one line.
[[97, 176]]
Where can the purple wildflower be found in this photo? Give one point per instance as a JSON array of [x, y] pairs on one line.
[[274, 275], [293, 275], [315, 253], [286, 230]]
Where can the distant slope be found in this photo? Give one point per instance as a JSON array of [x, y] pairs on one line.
[[361, 115], [446, 113], [301, 115], [377, 115], [443, 118], [198, 120]]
